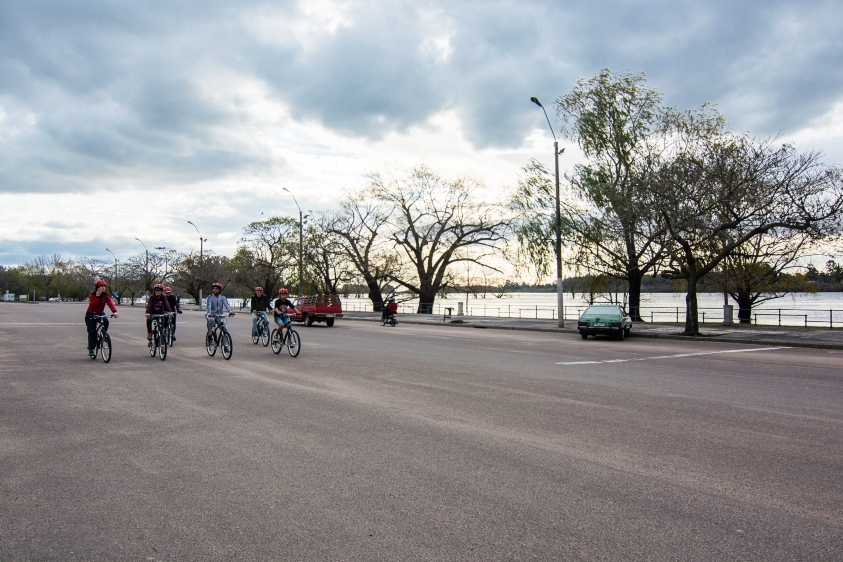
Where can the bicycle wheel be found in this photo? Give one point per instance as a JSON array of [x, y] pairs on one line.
[[210, 345], [162, 347], [265, 335], [256, 336], [383, 321], [153, 343], [293, 343], [227, 345], [105, 347], [277, 344]]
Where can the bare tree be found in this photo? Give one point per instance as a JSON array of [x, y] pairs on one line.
[[436, 223], [361, 231]]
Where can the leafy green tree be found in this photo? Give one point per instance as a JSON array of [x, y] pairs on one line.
[[268, 254], [719, 193], [624, 131]]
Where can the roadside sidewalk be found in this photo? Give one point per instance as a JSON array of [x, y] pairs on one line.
[[818, 338]]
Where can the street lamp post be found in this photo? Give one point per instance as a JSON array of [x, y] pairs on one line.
[[146, 264], [115, 272], [166, 262], [115, 262], [559, 289], [301, 244], [201, 260]]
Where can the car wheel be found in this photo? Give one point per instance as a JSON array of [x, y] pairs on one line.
[[584, 335], [626, 331]]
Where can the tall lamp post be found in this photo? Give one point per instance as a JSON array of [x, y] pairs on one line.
[[301, 244], [166, 262], [115, 262], [559, 289], [115, 271], [201, 260], [146, 264]]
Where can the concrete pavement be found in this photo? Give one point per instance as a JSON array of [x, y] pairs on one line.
[[812, 337]]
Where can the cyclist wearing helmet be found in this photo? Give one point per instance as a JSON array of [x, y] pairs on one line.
[[97, 302], [259, 303], [215, 304], [175, 306], [156, 304], [282, 304]]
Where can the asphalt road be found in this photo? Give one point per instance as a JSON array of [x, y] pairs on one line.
[[413, 443]]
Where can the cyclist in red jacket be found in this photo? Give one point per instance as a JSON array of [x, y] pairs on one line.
[[97, 301]]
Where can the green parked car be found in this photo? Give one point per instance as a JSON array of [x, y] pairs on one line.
[[610, 319]]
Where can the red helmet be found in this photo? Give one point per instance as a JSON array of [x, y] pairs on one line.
[[158, 287], [282, 291], [99, 283], [168, 290], [258, 288], [217, 285]]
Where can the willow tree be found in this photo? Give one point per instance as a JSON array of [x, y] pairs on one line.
[[624, 132]]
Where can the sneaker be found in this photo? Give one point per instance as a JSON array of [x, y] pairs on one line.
[[174, 338], [92, 354], [149, 336], [208, 340]]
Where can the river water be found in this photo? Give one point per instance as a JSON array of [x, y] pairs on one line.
[[798, 309]]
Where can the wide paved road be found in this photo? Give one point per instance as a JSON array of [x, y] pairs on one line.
[[413, 443]]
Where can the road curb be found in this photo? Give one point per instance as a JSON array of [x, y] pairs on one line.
[[634, 334]]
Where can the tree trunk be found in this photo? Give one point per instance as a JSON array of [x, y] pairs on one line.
[[426, 299], [744, 307], [692, 321], [375, 294], [635, 278]]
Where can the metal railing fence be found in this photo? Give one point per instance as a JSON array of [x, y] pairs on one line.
[[826, 318]]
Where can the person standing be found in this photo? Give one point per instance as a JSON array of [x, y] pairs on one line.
[[97, 301]]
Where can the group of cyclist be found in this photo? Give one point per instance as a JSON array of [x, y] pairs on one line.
[[163, 301], [260, 304]]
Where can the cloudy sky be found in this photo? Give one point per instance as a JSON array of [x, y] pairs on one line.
[[124, 120]]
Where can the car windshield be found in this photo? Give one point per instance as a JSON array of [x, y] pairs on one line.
[[605, 309]]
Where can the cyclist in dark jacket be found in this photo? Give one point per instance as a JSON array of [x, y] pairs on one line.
[[282, 305], [156, 304], [175, 306], [259, 303]]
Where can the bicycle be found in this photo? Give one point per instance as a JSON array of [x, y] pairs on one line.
[[219, 338], [103, 346], [160, 335], [171, 335], [289, 337], [263, 330]]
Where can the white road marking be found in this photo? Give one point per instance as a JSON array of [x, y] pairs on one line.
[[672, 356]]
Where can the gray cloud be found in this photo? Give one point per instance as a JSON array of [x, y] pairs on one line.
[[95, 91]]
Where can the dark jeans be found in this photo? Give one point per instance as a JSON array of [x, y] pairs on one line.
[[91, 324]]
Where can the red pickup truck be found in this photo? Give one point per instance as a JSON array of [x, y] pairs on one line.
[[317, 308]]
